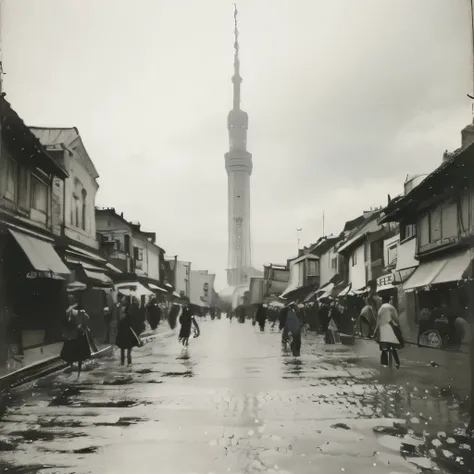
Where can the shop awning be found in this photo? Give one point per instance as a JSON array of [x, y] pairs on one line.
[[424, 274], [41, 254], [98, 277], [76, 286], [133, 289], [454, 268], [346, 290], [156, 288], [327, 291]]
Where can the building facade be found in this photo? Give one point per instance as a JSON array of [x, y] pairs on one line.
[[32, 276]]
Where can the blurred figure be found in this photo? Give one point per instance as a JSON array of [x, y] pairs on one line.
[[77, 346], [261, 316], [388, 334], [291, 324], [187, 322], [127, 338]]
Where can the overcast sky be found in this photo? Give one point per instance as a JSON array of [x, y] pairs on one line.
[[344, 99]]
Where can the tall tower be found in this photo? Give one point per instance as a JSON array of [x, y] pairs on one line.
[[238, 164]]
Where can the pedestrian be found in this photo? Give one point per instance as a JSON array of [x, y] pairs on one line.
[[332, 333], [291, 325], [153, 314], [261, 316], [127, 338], [77, 346], [367, 320], [187, 322], [388, 334]]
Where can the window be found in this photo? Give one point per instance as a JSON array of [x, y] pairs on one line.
[[118, 244], [313, 268], [407, 231], [126, 243], [334, 263], [449, 220], [24, 200], [392, 254], [84, 208], [11, 179], [465, 211], [376, 250], [435, 225], [39, 195], [424, 230], [138, 254], [354, 259]]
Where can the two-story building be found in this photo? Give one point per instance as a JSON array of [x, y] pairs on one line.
[[133, 251], [276, 279], [330, 262], [303, 278], [77, 243], [32, 275], [437, 218]]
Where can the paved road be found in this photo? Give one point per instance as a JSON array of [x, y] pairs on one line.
[[233, 403]]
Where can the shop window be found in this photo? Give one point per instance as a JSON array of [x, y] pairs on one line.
[[10, 179], [354, 259], [24, 187], [39, 195]]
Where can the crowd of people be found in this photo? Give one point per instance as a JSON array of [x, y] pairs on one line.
[[372, 316], [125, 321]]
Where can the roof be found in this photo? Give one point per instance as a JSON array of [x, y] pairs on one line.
[[436, 183], [369, 227], [69, 138], [324, 244], [14, 127]]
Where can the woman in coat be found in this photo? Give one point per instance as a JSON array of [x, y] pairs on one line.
[[388, 334], [126, 338], [77, 346]]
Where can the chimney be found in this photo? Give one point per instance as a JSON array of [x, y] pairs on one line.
[[467, 135]]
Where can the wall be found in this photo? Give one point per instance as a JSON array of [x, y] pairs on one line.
[[150, 264], [80, 178], [357, 271], [326, 269], [202, 288], [111, 226], [182, 277]]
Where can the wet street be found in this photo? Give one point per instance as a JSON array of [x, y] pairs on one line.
[[234, 403]]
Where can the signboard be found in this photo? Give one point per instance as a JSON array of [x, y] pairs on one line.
[[201, 288]]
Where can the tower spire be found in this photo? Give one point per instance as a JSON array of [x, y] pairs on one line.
[[236, 79]]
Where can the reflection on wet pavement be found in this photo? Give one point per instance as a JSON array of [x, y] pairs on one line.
[[233, 402]]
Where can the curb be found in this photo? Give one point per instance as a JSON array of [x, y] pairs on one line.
[[53, 364]]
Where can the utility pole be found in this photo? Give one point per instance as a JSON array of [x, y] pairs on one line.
[[298, 239]]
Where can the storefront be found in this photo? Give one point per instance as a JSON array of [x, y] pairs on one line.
[[93, 272], [441, 311], [35, 279]]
